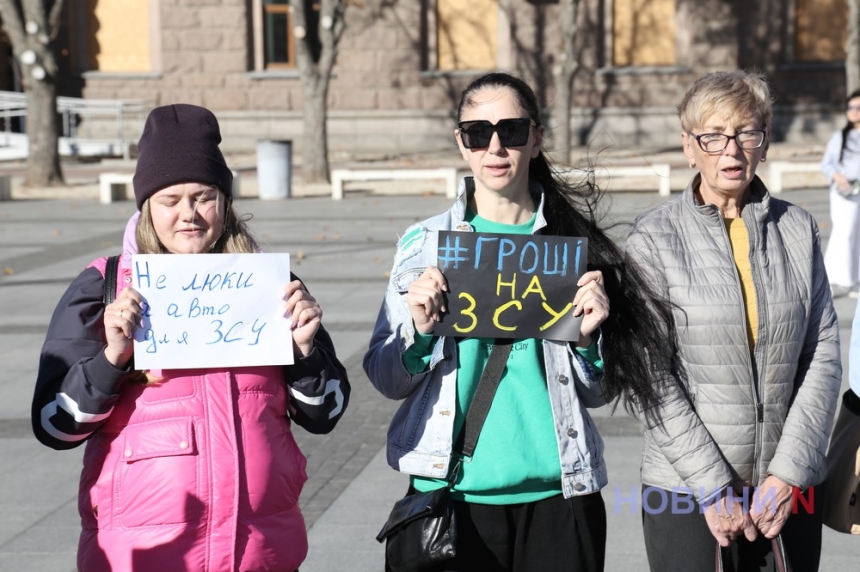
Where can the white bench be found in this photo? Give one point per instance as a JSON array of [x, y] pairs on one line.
[[777, 168], [112, 186], [338, 176], [660, 170]]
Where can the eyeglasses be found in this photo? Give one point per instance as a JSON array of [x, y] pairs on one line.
[[853, 108], [512, 132], [717, 142]]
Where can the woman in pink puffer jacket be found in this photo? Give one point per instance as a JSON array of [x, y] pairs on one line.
[[184, 469]]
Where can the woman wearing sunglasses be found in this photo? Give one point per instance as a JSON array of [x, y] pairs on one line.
[[529, 497], [841, 166], [743, 431]]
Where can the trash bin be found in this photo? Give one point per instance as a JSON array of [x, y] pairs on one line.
[[274, 169]]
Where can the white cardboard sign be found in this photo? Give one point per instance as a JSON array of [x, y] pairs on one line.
[[211, 310]]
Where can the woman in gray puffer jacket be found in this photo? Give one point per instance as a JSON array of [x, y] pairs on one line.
[[738, 442]]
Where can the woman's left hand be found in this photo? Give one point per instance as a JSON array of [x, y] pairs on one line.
[[771, 506], [305, 314], [592, 304]]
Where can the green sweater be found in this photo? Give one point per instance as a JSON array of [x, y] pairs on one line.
[[516, 459]]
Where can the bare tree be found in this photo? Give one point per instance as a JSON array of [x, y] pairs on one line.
[[852, 50], [316, 52], [30, 26], [564, 70]]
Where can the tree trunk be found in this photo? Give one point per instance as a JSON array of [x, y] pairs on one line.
[[43, 161], [564, 70], [38, 77], [852, 50], [316, 74], [561, 117], [315, 144]]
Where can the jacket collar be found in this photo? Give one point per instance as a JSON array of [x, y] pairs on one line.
[[758, 205], [467, 189]]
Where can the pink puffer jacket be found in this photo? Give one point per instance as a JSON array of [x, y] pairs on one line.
[[201, 470]]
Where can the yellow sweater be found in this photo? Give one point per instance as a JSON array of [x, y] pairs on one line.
[[740, 242]]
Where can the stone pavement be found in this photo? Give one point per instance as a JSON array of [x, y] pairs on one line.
[[343, 252]]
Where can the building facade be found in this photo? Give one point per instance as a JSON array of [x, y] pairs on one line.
[[401, 64]]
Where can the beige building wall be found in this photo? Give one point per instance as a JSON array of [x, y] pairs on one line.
[[466, 32], [643, 32], [119, 35], [390, 93], [821, 31]]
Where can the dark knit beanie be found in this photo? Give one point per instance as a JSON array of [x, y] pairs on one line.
[[180, 145]]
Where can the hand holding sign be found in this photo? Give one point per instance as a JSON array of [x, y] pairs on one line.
[[121, 318], [426, 299], [592, 303], [305, 316]]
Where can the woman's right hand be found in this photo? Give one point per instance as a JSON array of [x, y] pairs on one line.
[[727, 520], [122, 316], [842, 182], [426, 300]]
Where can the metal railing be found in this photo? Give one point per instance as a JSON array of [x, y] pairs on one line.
[[76, 112]]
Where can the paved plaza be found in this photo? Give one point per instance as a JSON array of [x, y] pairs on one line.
[[343, 251]]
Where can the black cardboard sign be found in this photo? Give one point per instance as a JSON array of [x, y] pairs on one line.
[[511, 285]]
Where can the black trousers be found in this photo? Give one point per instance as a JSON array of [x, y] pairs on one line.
[[682, 542], [554, 534]]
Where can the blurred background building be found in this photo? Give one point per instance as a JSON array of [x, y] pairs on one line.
[[402, 63]]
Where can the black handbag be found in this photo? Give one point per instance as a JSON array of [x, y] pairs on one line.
[[421, 531], [841, 506]]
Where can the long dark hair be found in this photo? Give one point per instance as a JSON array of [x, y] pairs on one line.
[[848, 125], [639, 343]]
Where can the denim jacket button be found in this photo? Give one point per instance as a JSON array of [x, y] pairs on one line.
[[571, 432], [579, 487], [562, 379]]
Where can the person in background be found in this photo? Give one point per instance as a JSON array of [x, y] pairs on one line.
[[529, 499], [185, 469], [745, 428], [841, 166]]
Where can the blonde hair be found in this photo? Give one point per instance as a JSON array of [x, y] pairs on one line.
[[735, 94], [235, 238]]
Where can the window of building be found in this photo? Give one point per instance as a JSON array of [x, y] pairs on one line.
[[643, 33], [466, 34], [275, 33], [820, 32], [278, 40]]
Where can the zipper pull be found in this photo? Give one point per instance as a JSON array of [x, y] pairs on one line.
[[760, 412]]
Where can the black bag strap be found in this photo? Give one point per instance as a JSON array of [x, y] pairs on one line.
[[486, 390], [109, 291]]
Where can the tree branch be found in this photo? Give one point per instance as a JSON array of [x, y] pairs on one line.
[[54, 18], [13, 24]]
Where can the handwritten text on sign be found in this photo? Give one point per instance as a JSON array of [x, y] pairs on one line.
[[211, 310], [511, 285]]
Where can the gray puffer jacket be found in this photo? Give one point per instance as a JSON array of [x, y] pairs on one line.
[[735, 420]]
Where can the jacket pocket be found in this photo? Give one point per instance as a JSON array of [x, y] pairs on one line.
[[403, 279], [157, 478]]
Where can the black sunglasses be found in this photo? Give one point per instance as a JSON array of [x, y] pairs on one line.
[[512, 132]]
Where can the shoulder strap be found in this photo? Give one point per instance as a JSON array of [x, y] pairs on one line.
[[484, 394], [109, 291]]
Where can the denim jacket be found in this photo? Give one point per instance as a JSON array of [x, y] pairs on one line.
[[420, 435]]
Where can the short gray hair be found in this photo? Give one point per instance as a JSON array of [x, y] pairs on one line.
[[731, 94]]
